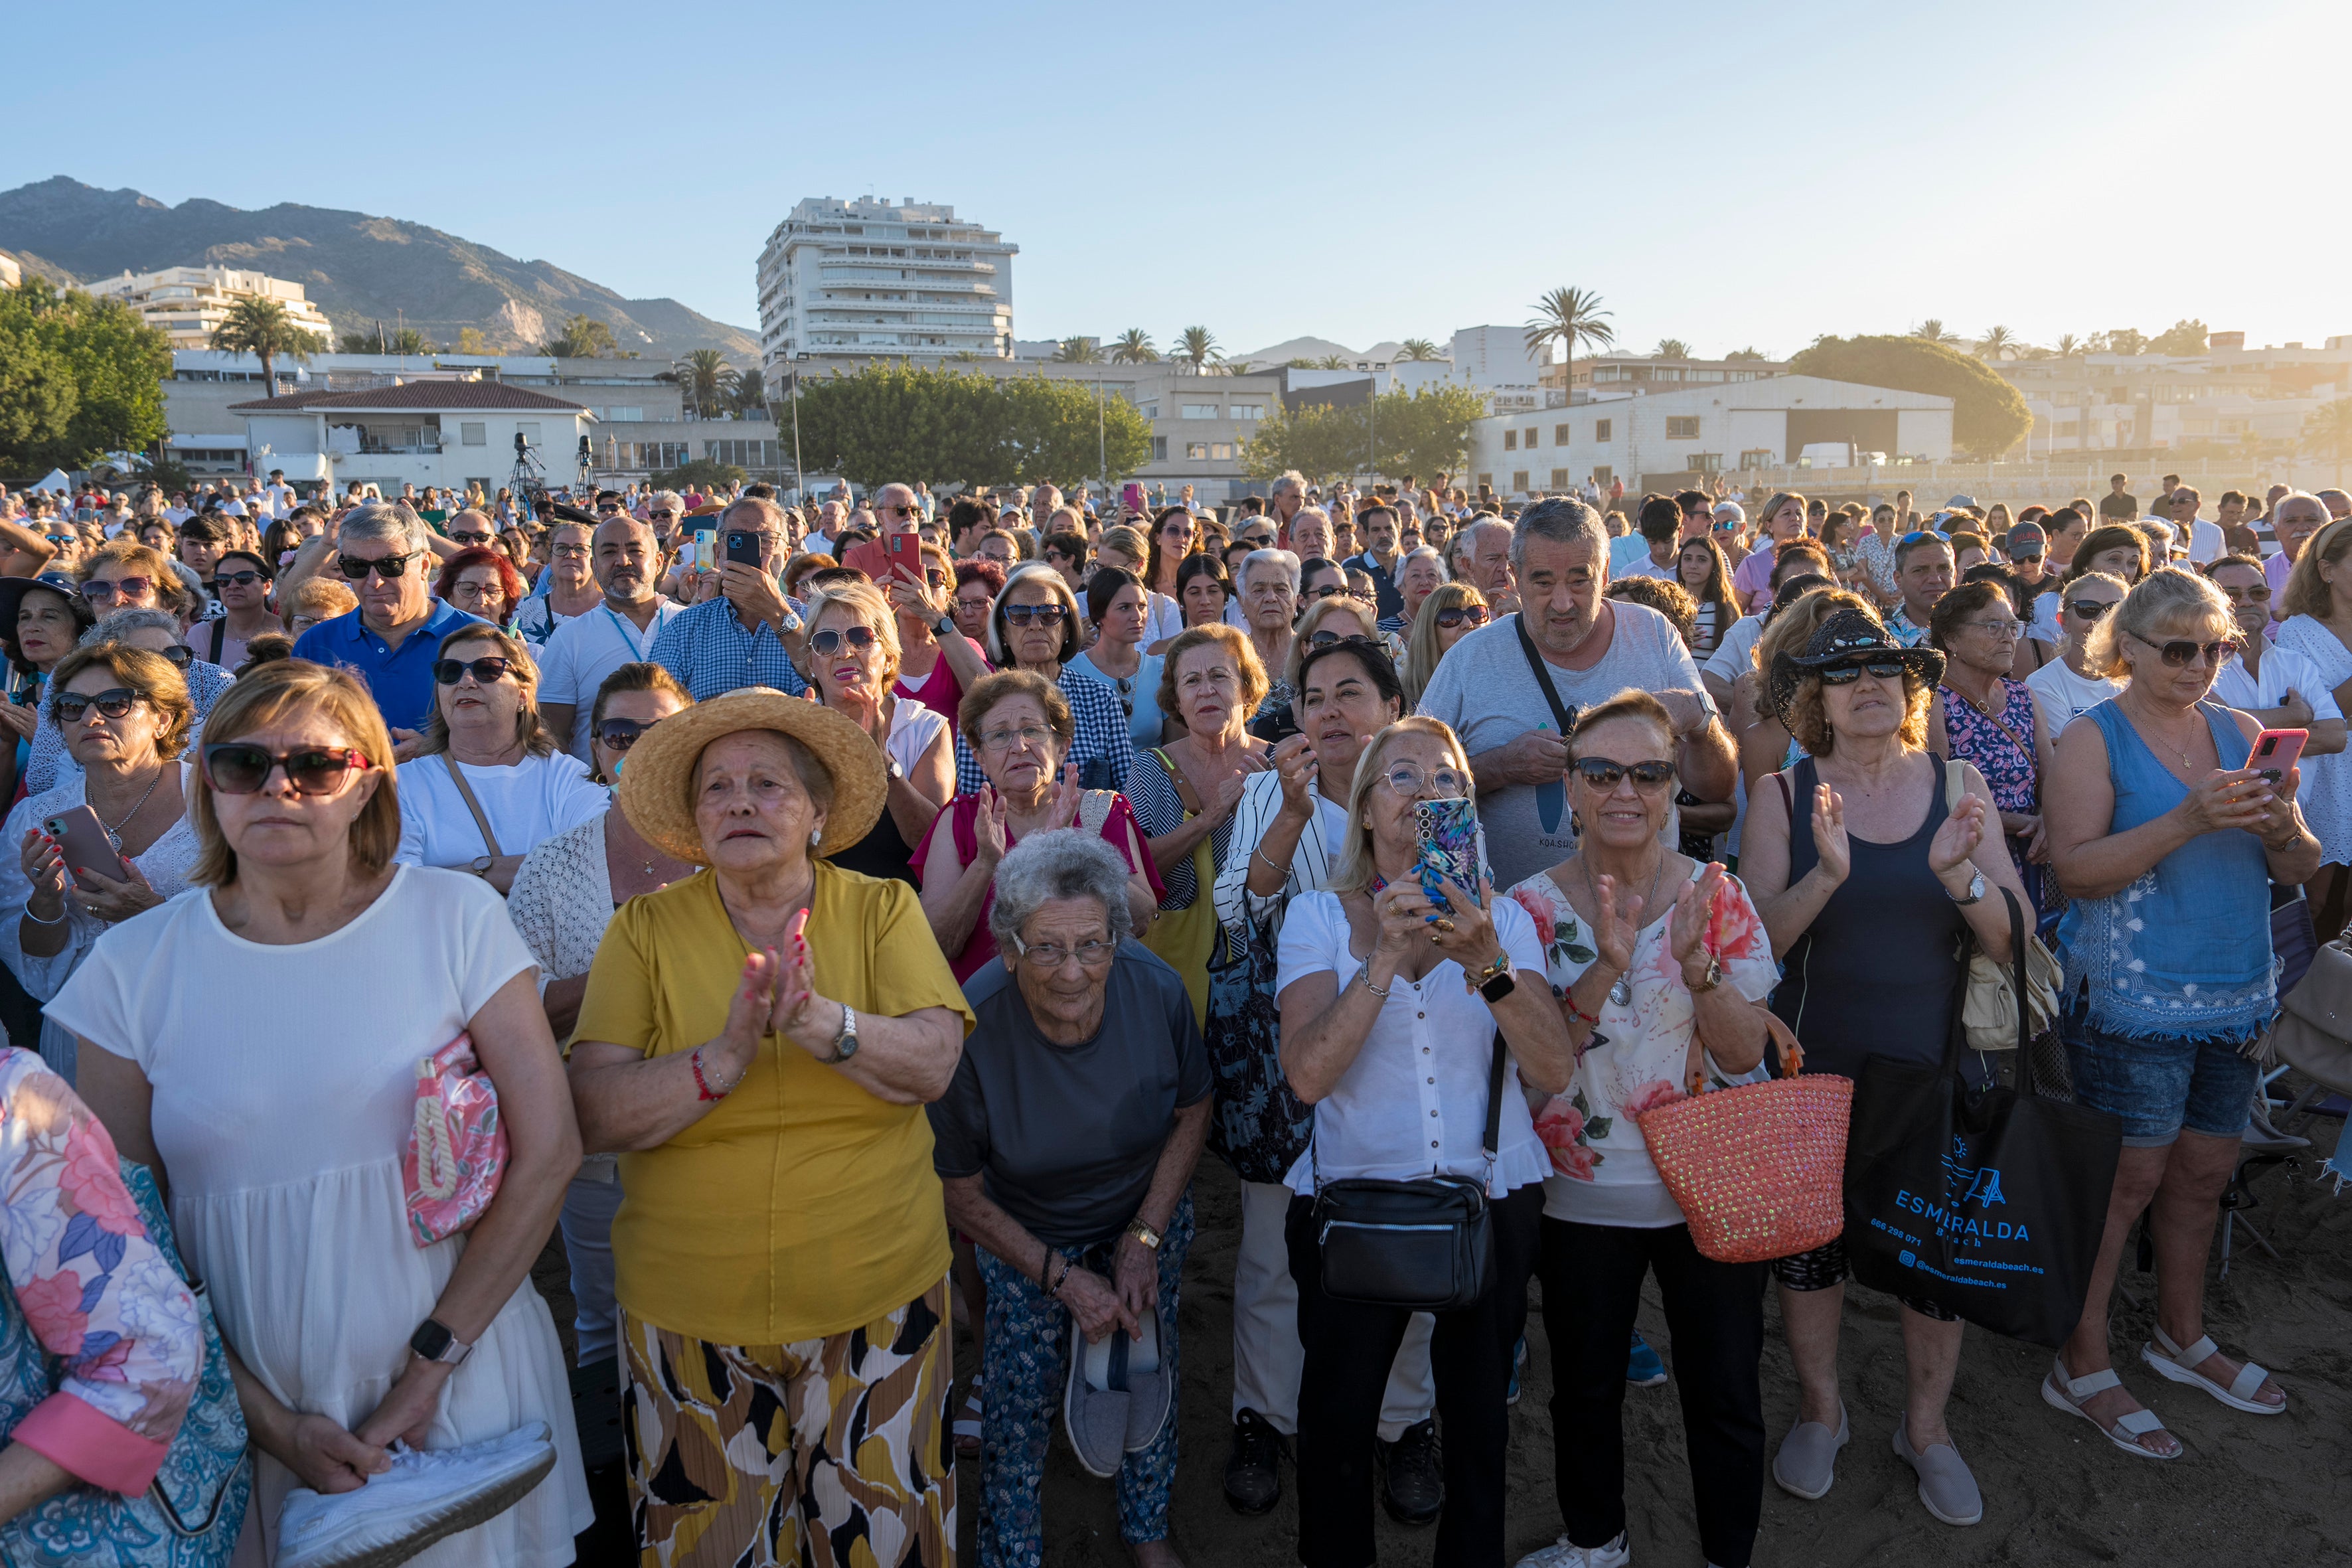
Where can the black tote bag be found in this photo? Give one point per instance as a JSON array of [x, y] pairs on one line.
[[1987, 1202]]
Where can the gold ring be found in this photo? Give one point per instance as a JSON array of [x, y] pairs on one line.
[[1433, 939], [1445, 925]]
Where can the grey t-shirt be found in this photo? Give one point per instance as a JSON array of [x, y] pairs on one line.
[[1065, 1138], [1483, 689]]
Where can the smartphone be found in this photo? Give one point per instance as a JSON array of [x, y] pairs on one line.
[[2275, 751], [83, 838], [743, 547], [907, 550], [1448, 830], [1130, 496], [706, 547]]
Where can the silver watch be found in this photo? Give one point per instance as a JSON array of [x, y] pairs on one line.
[[845, 1044], [1976, 890]]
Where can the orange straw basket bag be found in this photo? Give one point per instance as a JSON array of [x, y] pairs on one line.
[[1759, 1169]]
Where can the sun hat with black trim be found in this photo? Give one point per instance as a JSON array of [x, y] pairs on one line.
[[1848, 636], [658, 779]]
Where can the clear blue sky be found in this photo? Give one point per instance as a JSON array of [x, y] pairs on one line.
[[1728, 175]]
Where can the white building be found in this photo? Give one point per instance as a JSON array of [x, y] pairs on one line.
[[858, 280], [1655, 438], [11, 275], [185, 303], [439, 433]]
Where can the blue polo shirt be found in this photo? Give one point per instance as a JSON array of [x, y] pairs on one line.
[[400, 681]]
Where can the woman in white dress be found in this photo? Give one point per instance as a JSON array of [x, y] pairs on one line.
[[488, 783], [280, 1149], [124, 714], [2319, 626]]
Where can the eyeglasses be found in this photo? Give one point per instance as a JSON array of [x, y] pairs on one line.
[[1848, 673], [1333, 639], [660, 511], [1998, 628], [1329, 591], [1092, 953], [100, 592], [827, 643], [572, 553], [469, 538], [2260, 594], [1604, 775], [620, 735], [488, 671], [2092, 609], [236, 579], [1002, 740], [112, 703], [387, 567], [237, 767], [1042, 614], [899, 512], [2180, 654], [1476, 615], [179, 656], [1409, 781]]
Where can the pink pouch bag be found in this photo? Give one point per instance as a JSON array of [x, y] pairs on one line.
[[456, 1145]]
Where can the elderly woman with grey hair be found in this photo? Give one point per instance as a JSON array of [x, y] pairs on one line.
[[1067, 1143], [1269, 596]]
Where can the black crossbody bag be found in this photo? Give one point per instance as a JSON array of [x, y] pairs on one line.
[[1426, 1245]]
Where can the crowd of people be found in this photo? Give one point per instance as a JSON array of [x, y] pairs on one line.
[[866, 913]]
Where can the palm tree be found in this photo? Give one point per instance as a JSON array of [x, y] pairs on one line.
[[1671, 347], [1570, 317], [1077, 351], [1134, 347], [1332, 361], [409, 341], [583, 337], [1199, 349], [1997, 342], [709, 379], [751, 394], [261, 327], [1933, 330], [1417, 349], [2071, 347]]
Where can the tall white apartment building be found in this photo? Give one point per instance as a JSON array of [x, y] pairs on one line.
[[865, 279], [185, 303]]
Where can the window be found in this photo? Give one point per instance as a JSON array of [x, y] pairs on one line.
[[473, 433], [1559, 435], [1151, 409], [1486, 481], [1200, 411], [1559, 478], [1159, 448], [1528, 439], [1510, 440], [1221, 451], [1196, 451], [529, 432], [1248, 411], [623, 415], [1682, 427], [1601, 429], [1520, 480]]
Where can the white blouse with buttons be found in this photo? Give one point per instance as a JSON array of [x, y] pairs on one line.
[[1413, 1102]]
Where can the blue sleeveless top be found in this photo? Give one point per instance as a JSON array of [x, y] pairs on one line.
[[2184, 953]]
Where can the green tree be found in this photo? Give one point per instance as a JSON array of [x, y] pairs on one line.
[[1422, 432], [1572, 318], [260, 327], [1197, 348], [1319, 440], [583, 337], [471, 341], [361, 343], [1746, 355], [1999, 341], [751, 394], [2184, 337], [1426, 431], [1933, 330], [709, 381], [1077, 351], [697, 473], [1671, 347], [2119, 341], [2071, 347], [1418, 349], [941, 427], [409, 341], [1333, 362], [1134, 347], [78, 377], [1988, 415], [1060, 431]]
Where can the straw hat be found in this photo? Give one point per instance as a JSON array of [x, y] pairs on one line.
[[658, 779]]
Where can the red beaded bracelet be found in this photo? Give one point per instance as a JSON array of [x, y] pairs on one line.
[[701, 1084]]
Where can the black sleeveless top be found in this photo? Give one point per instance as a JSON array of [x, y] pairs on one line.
[[1878, 972]]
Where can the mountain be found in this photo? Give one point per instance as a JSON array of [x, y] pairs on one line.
[[360, 269], [1309, 348]]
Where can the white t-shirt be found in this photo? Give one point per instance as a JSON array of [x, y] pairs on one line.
[[1735, 655], [2283, 669], [533, 800], [2206, 542], [913, 728], [2061, 696], [581, 651], [1645, 567]]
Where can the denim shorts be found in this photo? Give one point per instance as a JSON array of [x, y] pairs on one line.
[[2160, 1086]]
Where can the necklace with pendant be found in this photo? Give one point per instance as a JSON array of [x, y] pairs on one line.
[[114, 834]]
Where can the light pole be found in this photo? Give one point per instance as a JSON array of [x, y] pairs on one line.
[[800, 475]]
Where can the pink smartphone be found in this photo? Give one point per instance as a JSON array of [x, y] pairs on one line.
[[86, 848], [2276, 750], [907, 550]]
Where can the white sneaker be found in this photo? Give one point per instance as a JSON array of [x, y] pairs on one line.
[[426, 1495], [1560, 1553]]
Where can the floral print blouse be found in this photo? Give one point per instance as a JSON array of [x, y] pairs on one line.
[[96, 1292], [1637, 1056]]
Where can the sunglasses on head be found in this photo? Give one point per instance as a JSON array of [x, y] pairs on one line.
[[179, 656], [2182, 654], [1600, 772], [1846, 674], [828, 642], [239, 767], [112, 703], [1041, 614], [1333, 639], [387, 568], [126, 587], [620, 735], [488, 670]]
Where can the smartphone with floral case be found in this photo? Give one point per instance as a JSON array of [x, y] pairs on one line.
[[1450, 844]]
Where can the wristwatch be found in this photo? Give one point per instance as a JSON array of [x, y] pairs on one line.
[[896, 770], [943, 627], [433, 1342], [845, 1044], [481, 865], [1496, 981], [1976, 890], [1710, 980], [1144, 1234]]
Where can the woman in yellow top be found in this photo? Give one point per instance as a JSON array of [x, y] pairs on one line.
[[757, 1042]]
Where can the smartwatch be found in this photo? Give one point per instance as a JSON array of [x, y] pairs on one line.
[[433, 1342], [1495, 981], [944, 626]]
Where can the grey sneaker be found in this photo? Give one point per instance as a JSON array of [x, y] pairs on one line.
[[1806, 1466], [1561, 1554], [428, 1495], [1946, 1485]]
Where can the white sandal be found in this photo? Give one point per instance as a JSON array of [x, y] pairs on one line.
[[2067, 1393], [2181, 1365]]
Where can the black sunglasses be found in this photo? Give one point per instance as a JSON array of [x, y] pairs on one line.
[[238, 579], [388, 568], [2180, 654], [1333, 639], [179, 656], [238, 767], [1602, 773], [1329, 591], [620, 735], [2092, 609], [828, 642], [112, 703], [1476, 615], [1846, 674], [487, 671], [1042, 614], [471, 539]]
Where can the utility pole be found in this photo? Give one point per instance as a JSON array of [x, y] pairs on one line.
[[800, 475]]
